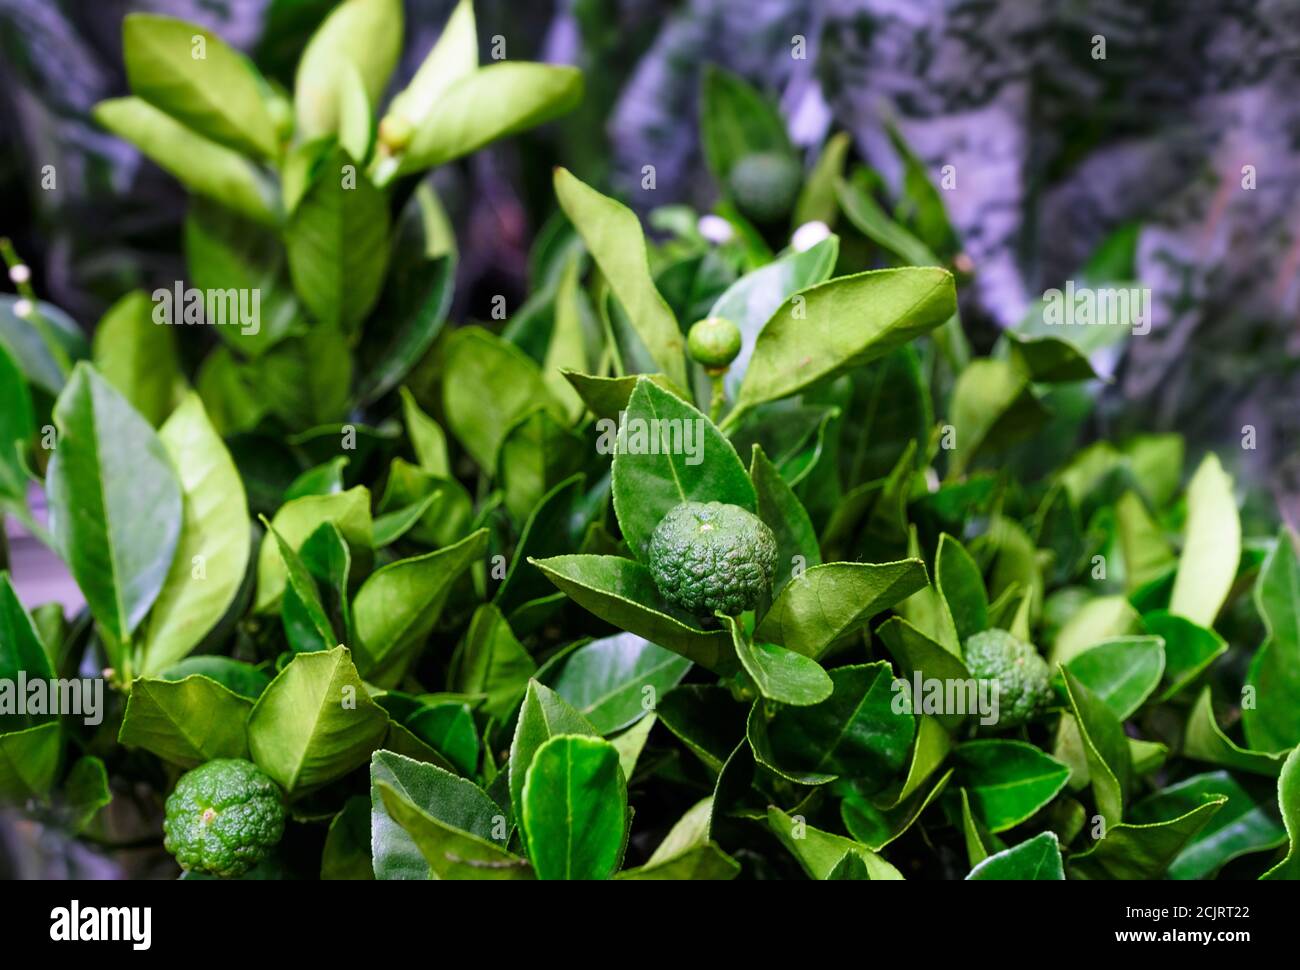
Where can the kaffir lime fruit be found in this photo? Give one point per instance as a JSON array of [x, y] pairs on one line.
[[223, 817], [708, 557], [714, 342], [1022, 675]]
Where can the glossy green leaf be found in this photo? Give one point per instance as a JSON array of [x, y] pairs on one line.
[[1144, 851], [784, 514], [448, 728], [138, 357], [493, 663], [306, 624], [213, 552], [607, 396], [1189, 649], [575, 809], [545, 533], [611, 681], [916, 654], [1104, 618], [992, 406], [186, 722], [426, 435], [202, 166], [20, 651], [1122, 672], [779, 674], [1273, 722], [365, 33], [452, 57], [1288, 800], [672, 454], [346, 854], [17, 425], [43, 344], [544, 715], [29, 762], [316, 722], [115, 503], [614, 238], [705, 719], [736, 121], [236, 676], [961, 585], [1204, 740], [836, 598], [450, 851], [1213, 546], [876, 827], [840, 324], [537, 454], [1036, 858], [1007, 781], [192, 74], [1105, 748], [819, 852], [397, 607], [349, 511]]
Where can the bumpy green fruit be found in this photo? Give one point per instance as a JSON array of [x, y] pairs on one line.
[[1024, 679], [765, 186], [714, 342], [708, 557], [223, 817]]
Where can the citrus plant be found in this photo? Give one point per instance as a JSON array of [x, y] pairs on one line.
[[812, 590]]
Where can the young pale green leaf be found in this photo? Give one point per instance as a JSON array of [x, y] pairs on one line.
[[296, 520], [836, 598], [186, 722], [1273, 722], [817, 200], [862, 731], [543, 715], [843, 323], [356, 122], [202, 166], [622, 592], [992, 406], [454, 56], [365, 33], [605, 397], [396, 608], [1288, 800], [672, 454], [735, 121], [1147, 555], [20, 650], [1007, 781], [316, 722], [701, 862], [567, 348], [614, 238], [780, 675], [1144, 851], [29, 762], [1212, 548], [115, 503], [138, 357], [493, 663], [1103, 618], [426, 437], [493, 102], [609, 681], [488, 386], [1036, 858], [1204, 740], [1246, 823], [192, 74], [212, 554], [784, 514], [961, 585], [861, 208], [820, 852], [575, 809], [1105, 748], [338, 243]]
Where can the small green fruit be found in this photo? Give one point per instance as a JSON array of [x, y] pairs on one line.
[[223, 817], [1023, 677], [765, 186], [709, 557], [714, 342]]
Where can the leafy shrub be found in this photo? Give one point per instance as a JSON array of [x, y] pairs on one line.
[[443, 640]]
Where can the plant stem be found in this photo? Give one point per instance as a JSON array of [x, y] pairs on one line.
[[719, 399]]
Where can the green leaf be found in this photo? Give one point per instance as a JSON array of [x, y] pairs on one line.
[[844, 323], [346, 854], [85, 792], [672, 454], [1036, 858], [493, 663], [397, 607], [337, 243], [326, 479], [236, 676], [615, 240], [1147, 557], [1204, 740], [202, 166], [1007, 781], [608, 681], [1104, 618], [779, 674], [785, 515], [961, 585], [488, 386], [306, 625], [29, 762], [296, 520], [17, 426], [1105, 747], [1213, 547], [567, 348], [138, 357], [916, 654], [186, 722], [453, 57], [20, 651], [426, 436], [836, 598], [543, 715], [1142, 851], [191, 74], [315, 723], [607, 396], [537, 454], [1189, 649], [622, 592], [492, 103], [1273, 723], [575, 809], [873, 222], [1288, 800], [820, 852], [705, 719], [1246, 823], [448, 728], [115, 503], [992, 406], [356, 123], [305, 379], [817, 201], [875, 826], [862, 731], [735, 121], [42, 343], [213, 551], [545, 533], [365, 33], [1049, 360], [1122, 672]]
